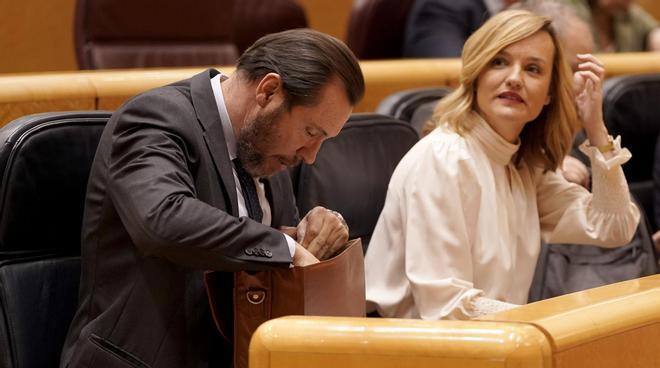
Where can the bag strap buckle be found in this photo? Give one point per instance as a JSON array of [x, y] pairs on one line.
[[256, 296]]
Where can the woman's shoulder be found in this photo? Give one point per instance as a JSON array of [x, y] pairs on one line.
[[442, 153], [445, 145]]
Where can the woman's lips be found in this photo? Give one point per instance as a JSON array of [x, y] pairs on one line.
[[512, 96]]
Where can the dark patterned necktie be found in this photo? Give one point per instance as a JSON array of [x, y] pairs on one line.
[[249, 192]]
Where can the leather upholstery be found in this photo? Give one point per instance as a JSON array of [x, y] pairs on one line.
[[159, 33], [256, 18], [44, 164], [376, 28], [413, 105], [38, 297], [352, 171], [630, 109], [130, 34]]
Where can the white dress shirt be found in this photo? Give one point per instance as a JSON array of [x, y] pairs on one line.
[[461, 228], [230, 140]]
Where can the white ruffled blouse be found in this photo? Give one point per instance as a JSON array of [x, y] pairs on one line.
[[461, 228]]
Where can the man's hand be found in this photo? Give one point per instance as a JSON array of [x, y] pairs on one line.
[[575, 171], [322, 232], [302, 257]]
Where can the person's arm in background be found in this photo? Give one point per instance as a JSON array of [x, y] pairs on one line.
[[656, 194], [653, 40]]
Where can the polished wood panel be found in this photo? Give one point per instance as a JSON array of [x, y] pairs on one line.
[[107, 89], [651, 6], [327, 342], [36, 35], [610, 326]]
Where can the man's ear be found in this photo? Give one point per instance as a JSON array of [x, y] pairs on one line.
[[268, 88]]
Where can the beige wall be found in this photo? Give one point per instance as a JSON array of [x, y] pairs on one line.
[[329, 16], [36, 35], [651, 6]]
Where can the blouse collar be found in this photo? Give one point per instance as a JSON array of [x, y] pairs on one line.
[[496, 147]]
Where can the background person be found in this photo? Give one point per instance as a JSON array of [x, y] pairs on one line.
[[618, 25], [439, 28]]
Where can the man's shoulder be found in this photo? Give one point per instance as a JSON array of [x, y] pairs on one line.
[[170, 98], [172, 92]]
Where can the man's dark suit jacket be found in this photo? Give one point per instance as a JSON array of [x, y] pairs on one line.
[[161, 208], [439, 28]]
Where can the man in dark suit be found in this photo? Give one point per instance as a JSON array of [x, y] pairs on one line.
[[187, 178], [439, 28]]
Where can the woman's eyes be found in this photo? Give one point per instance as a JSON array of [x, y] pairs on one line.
[[498, 61], [534, 68]]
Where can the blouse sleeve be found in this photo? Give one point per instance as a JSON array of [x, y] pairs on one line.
[[570, 214], [440, 206]]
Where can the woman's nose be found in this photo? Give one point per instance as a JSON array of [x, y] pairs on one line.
[[514, 80]]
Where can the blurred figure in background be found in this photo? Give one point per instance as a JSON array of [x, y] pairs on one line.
[[618, 25], [439, 28]]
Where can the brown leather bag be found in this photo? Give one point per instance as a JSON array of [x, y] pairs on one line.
[[334, 287]]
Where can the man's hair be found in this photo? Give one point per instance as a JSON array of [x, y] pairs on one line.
[[305, 61], [545, 140]]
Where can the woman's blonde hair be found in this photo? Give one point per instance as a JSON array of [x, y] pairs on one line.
[[545, 140]]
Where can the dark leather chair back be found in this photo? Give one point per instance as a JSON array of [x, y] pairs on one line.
[[44, 162], [415, 105], [153, 33], [256, 18], [352, 171], [376, 28], [38, 298], [631, 108], [162, 33]]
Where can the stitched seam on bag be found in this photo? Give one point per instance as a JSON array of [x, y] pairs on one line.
[[118, 352]]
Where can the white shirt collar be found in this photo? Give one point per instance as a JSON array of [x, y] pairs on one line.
[[227, 126]]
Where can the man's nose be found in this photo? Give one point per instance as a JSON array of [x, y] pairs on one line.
[[309, 151]]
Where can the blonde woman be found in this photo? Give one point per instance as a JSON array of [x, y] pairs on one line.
[[467, 207]]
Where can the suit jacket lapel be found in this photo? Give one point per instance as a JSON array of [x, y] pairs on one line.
[[207, 114]]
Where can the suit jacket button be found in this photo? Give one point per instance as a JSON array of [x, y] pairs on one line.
[[269, 254], [248, 251]]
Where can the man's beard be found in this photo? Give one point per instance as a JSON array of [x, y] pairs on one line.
[[256, 140]]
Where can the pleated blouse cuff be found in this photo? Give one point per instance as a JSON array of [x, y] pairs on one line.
[[609, 186], [483, 306], [620, 157]]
